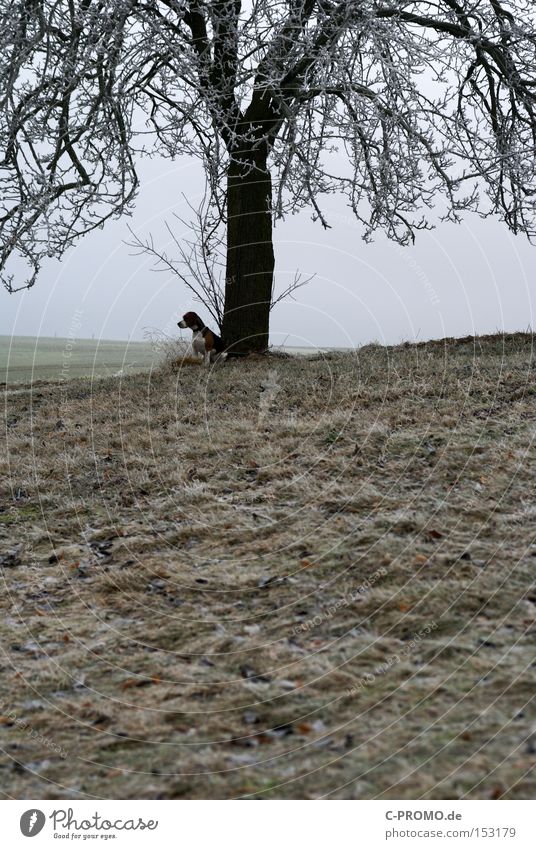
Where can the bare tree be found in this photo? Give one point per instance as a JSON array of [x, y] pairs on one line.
[[199, 262], [428, 99], [199, 259]]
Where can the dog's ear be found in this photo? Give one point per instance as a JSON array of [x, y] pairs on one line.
[[191, 319]]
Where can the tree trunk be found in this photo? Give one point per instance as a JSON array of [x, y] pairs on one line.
[[250, 255]]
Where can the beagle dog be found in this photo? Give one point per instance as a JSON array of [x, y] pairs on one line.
[[204, 341]]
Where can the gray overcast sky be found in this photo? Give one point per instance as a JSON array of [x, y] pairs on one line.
[[456, 280]]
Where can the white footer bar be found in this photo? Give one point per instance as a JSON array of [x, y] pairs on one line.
[[269, 824]]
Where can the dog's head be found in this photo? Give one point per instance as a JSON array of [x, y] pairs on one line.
[[191, 320]]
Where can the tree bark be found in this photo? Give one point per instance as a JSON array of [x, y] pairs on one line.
[[250, 255]]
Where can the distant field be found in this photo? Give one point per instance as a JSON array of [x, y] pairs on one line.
[[28, 358]]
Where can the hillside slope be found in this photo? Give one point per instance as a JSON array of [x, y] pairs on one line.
[[283, 578]]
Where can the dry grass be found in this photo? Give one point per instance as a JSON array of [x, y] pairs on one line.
[[323, 589], [171, 353]]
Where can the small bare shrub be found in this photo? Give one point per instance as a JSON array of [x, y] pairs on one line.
[[172, 353]]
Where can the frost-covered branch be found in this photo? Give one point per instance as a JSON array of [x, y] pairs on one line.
[[401, 105]]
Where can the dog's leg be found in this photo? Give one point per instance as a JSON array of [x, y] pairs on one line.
[[207, 358]]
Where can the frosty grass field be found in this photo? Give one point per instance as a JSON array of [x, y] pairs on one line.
[[291, 577]]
